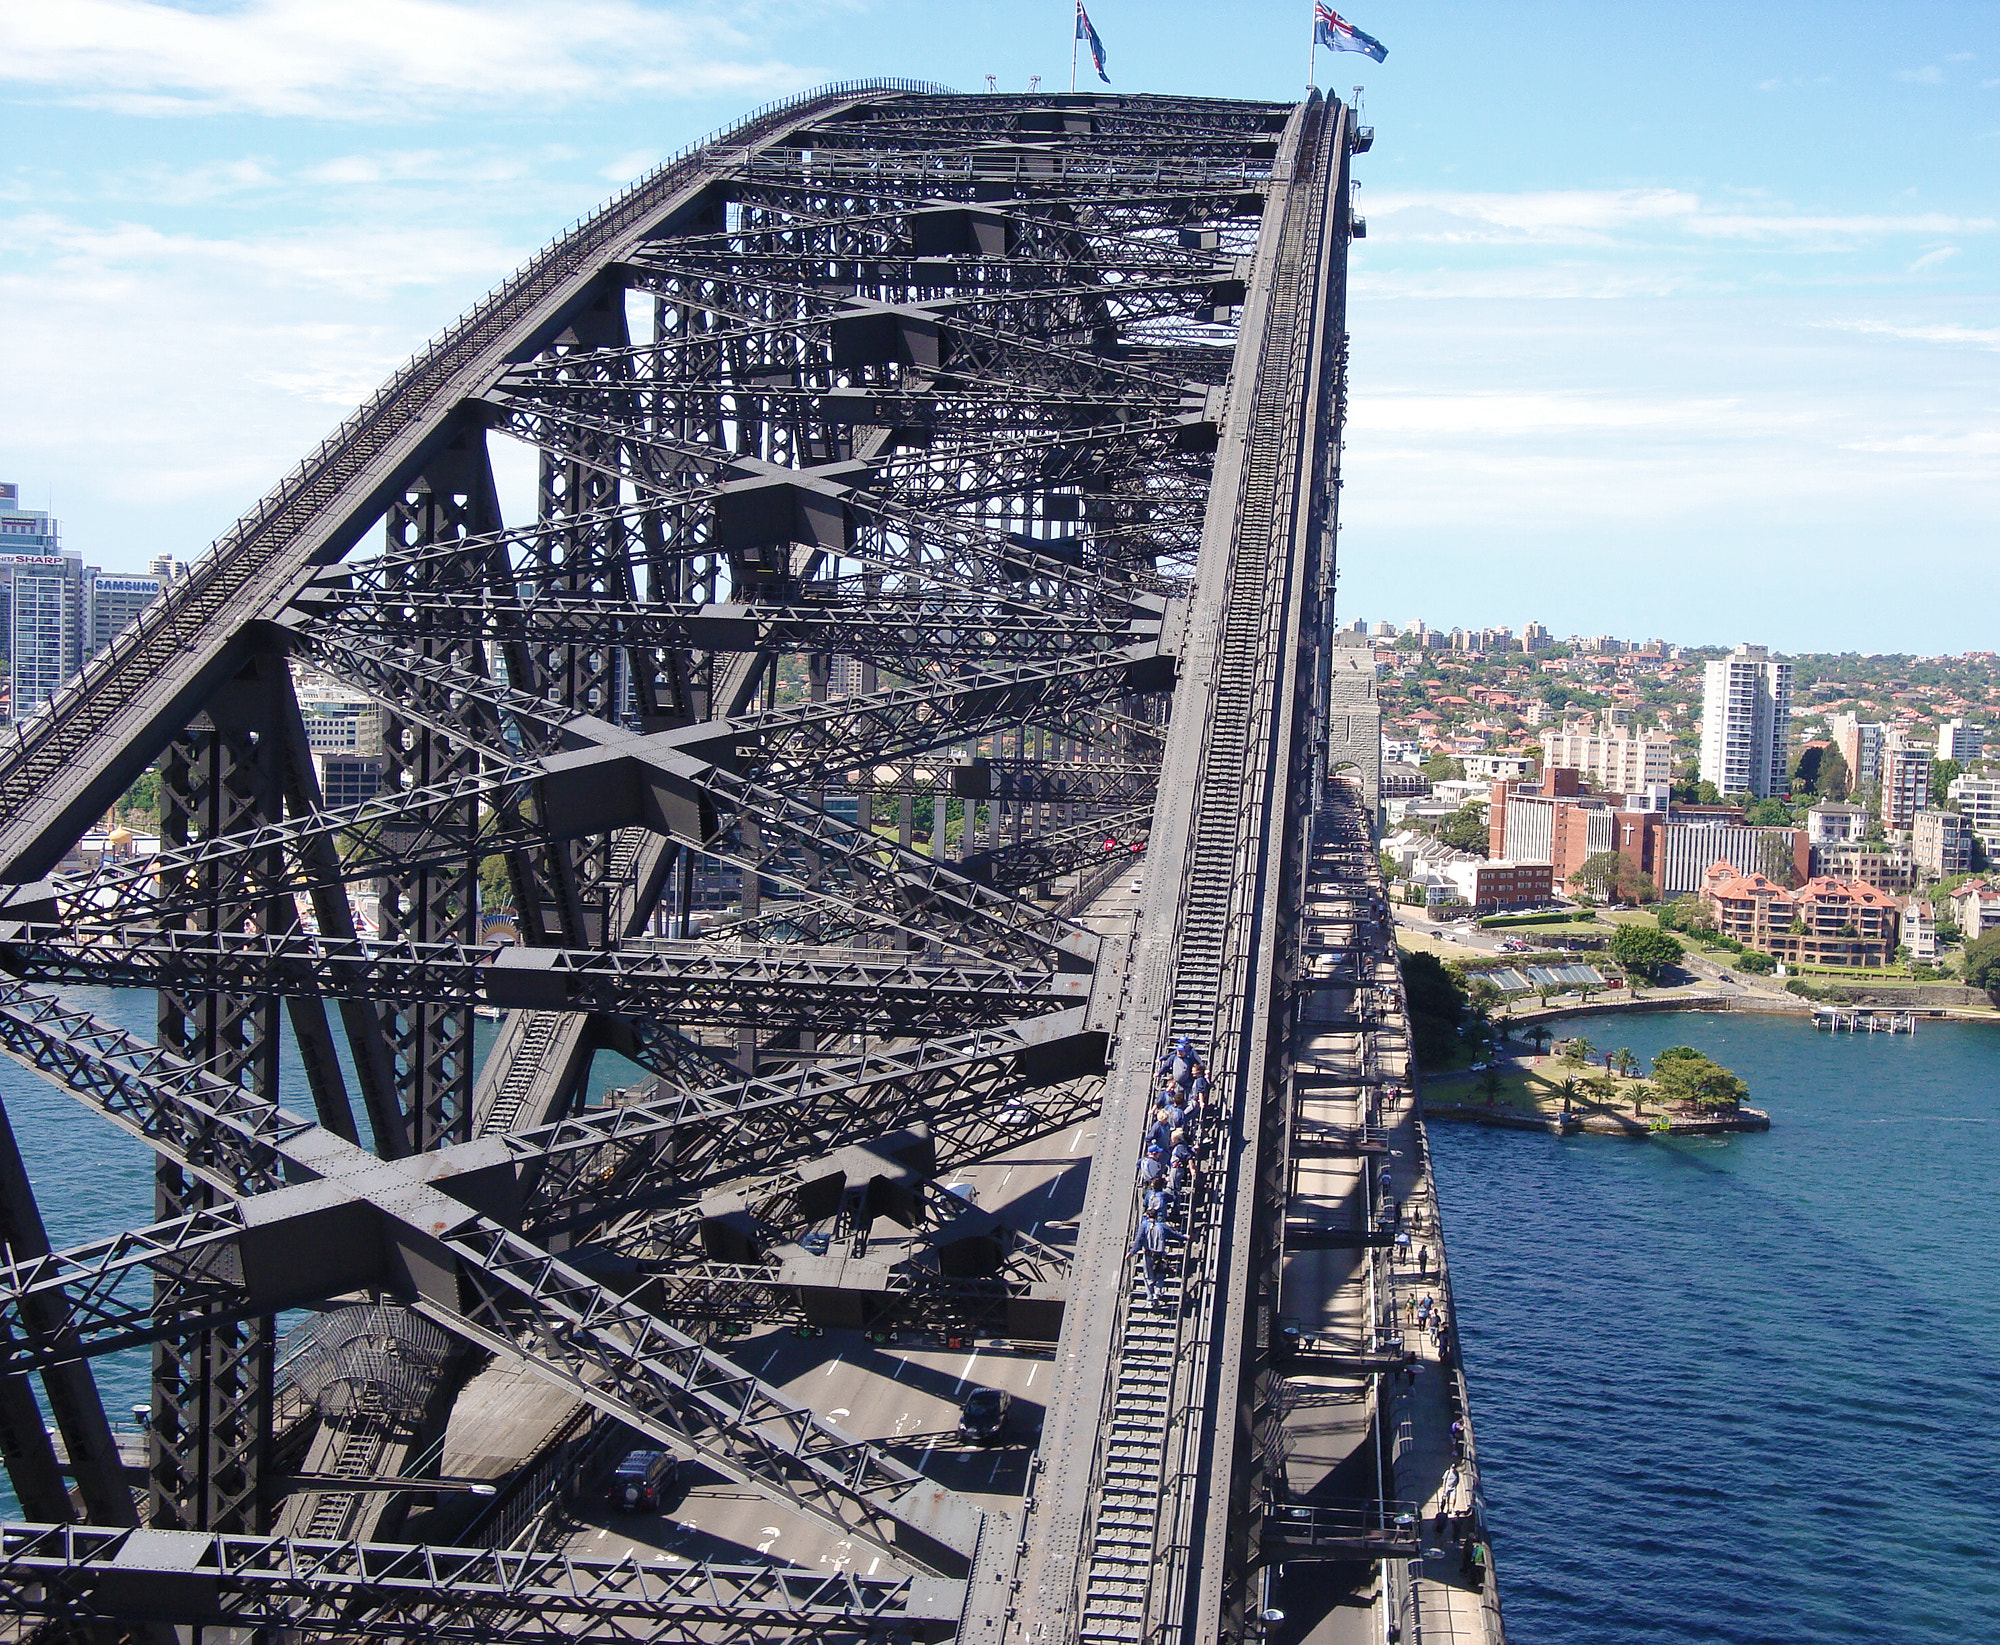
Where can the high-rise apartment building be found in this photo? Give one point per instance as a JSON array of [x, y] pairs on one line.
[[1746, 710], [1979, 799], [55, 611], [1941, 842], [1960, 740], [1615, 758], [1906, 785], [41, 604], [1860, 743]]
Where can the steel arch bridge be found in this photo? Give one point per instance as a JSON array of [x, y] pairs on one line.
[[935, 504]]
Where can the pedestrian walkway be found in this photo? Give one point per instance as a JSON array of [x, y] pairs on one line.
[[1371, 1390]]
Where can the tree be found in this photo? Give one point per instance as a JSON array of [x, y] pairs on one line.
[[1612, 878], [1643, 950], [1776, 860], [1436, 995], [1942, 773], [1769, 813], [1442, 768], [1682, 1074], [1757, 964], [1805, 769], [496, 885], [1833, 775], [1465, 828], [1577, 1051], [1538, 1036], [1982, 963]]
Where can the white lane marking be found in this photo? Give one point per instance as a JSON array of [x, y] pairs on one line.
[[898, 1429], [1032, 1369], [877, 1560], [1009, 1177], [994, 1473], [764, 1547], [840, 1411], [768, 1530], [1073, 1141], [971, 1360], [833, 1367], [600, 1536], [896, 1375]]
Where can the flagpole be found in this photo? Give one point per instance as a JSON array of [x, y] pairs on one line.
[[1072, 44]]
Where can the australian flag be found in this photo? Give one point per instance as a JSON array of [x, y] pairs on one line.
[[1332, 31], [1084, 31]]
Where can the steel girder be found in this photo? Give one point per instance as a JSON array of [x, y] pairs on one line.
[[79, 1574], [392, 1228], [919, 393]]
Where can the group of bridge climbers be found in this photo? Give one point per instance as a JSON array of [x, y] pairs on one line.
[[1170, 1158]]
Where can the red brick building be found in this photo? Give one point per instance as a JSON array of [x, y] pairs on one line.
[[1824, 922]]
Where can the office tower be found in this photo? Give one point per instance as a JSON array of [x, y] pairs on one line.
[[41, 604], [110, 602], [1746, 711]]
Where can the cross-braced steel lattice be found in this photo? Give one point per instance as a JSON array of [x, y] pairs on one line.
[[898, 458]]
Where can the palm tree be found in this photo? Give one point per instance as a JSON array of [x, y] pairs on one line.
[[1622, 1060], [1580, 1051], [1538, 1036]]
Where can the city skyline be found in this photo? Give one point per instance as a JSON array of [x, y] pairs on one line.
[[1613, 321]]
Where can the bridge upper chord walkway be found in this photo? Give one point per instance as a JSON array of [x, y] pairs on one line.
[[933, 533]]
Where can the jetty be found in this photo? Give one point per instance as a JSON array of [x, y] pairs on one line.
[[1857, 1020]]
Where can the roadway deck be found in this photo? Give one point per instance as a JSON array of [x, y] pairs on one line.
[[906, 1396]]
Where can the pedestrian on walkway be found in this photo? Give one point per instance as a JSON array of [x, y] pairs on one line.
[[1423, 1261], [1402, 1247], [1152, 1166], [1149, 1243]]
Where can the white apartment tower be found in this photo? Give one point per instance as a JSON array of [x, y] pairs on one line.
[[1746, 711]]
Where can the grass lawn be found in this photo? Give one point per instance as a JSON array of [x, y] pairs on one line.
[[1537, 1089], [1421, 942]]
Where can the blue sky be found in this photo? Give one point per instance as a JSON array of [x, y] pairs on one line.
[[1675, 321]]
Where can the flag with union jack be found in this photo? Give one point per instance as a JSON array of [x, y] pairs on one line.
[[1334, 32], [1084, 31]]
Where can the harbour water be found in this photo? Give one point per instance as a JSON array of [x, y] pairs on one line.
[[1740, 1389], [1731, 1389]]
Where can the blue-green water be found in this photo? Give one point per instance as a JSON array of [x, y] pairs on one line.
[[1732, 1390], [1740, 1389]]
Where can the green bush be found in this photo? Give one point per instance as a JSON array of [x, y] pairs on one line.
[[1759, 965]]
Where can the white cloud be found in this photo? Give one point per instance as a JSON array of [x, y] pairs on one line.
[[363, 59], [1546, 282], [1573, 216], [1501, 414], [1931, 259], [1977, 442], [1985, 337], [1772, 226], [1929, 75], [1608, 216], [358, 262]]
